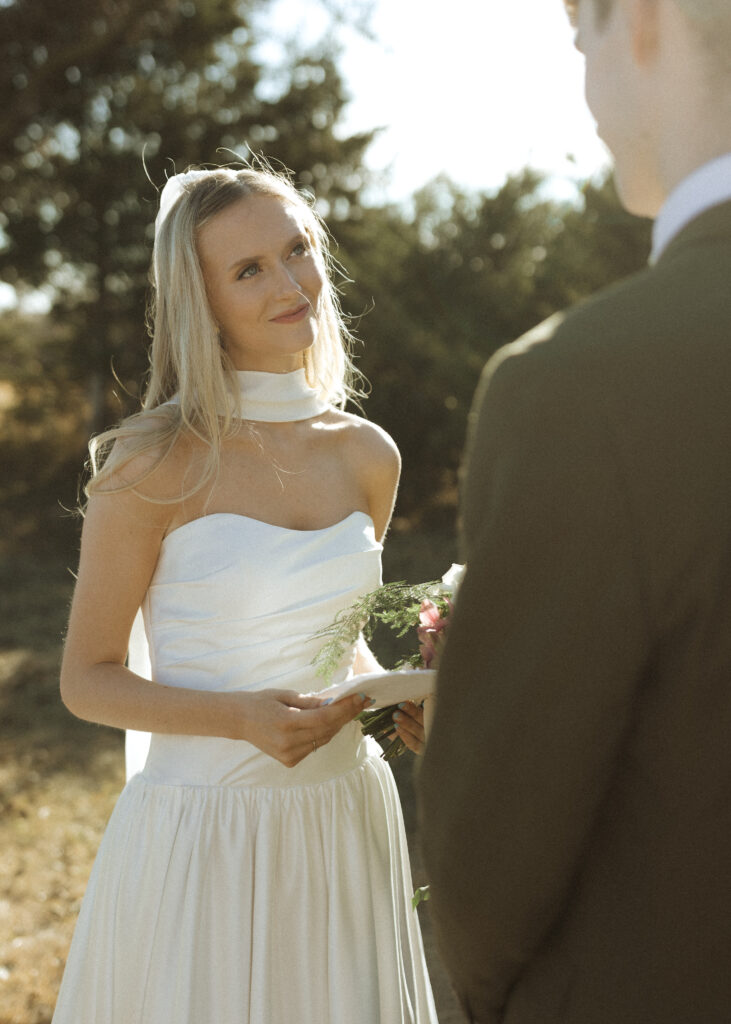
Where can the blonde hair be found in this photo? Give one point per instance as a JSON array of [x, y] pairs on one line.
[[187, 361]]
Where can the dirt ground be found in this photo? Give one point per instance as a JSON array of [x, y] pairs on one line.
[[59, 779]]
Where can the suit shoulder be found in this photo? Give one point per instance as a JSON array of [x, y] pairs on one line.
[[594, 321], [608, 335]]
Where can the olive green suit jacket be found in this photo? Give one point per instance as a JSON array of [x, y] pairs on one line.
[[576, 790]]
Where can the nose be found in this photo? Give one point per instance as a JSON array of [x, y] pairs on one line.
[[286, 280]]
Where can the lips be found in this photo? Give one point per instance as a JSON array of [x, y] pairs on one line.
[[292, 316]]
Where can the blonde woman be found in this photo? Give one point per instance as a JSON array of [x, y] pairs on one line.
[[255, 870]]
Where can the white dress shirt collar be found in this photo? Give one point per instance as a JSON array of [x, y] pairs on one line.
[[706, 187]]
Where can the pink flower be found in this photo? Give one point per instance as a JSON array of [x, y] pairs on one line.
[[431, 632]]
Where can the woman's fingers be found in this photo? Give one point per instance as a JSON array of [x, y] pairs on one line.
[[305, 702], [311, 724], [429, 705], [331, 718], [288, 726], [409, 723], [318, 709]]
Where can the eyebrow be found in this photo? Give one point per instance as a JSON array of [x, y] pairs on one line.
[[301, 236]]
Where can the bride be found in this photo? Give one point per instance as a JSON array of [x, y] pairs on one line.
[[256, 869]]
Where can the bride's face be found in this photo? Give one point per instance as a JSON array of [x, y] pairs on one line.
[[263, 277]]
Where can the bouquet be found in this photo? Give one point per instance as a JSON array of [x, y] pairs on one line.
[[424, 608]]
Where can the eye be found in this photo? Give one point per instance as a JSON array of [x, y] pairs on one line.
[[301, 248], [250, 271]]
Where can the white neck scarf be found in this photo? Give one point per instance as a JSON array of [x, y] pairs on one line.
[[275, 397]]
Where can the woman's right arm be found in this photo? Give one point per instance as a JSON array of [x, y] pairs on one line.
[[120, 545]]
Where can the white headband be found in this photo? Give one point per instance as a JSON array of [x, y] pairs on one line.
[[174, 188]]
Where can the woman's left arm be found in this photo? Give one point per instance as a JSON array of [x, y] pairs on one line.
[[381, 471], [379, 468]]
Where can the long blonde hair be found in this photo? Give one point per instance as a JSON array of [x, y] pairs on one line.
[[187, 360]]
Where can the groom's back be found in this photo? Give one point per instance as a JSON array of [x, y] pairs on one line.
[[646, 934], [576, 786]]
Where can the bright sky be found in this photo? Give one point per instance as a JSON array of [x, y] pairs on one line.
[[473, 88]]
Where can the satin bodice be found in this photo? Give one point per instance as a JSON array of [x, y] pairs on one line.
[[234, 604]]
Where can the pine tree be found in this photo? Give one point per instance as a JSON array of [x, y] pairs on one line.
[[94, 89]]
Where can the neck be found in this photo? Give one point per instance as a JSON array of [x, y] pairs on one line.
[[681, 162], [691, 109]]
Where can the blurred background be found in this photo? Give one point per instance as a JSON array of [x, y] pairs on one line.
[[468, 198]]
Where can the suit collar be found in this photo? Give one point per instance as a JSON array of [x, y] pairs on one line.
[[713, 224], [707, 186]]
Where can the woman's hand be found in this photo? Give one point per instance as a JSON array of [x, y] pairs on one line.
[[409, 722], [287, 725]]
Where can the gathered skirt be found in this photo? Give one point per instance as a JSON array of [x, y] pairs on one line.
[[252, 904]]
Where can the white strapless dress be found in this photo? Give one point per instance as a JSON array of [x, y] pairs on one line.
[[229, 889]]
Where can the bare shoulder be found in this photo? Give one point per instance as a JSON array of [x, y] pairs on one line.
[[373, 448], [372, 454], [148, 479]]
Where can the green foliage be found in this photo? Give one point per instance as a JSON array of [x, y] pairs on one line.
[[94, 89], [40, 412], [395, 605], [444, 289], [599, 243], [421, 895], [435, 291]]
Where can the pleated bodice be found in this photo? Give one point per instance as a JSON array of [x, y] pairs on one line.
[[235, 604]]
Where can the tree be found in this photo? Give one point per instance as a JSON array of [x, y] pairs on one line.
[[97, 88], [446, 289], [469, 273], [599, 243]]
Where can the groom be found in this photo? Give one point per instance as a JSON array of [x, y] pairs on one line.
[[576, 788]]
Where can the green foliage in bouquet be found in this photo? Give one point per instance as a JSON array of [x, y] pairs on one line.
[[421, 895], [397, 606]]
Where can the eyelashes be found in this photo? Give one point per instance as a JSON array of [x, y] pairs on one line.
[[301, 248]]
